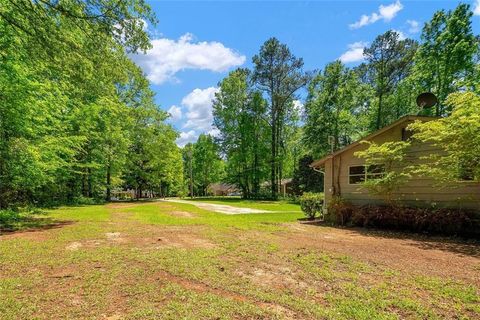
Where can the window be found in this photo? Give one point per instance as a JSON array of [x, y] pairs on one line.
[[406, 134], [359, 174], [356, 174]]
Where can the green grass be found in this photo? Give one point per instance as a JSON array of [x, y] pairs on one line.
[[158, 260], [152, 214]]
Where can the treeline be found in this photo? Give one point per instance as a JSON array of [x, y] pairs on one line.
[[78, 119], [348, 103], [77, 116], [257, 111]]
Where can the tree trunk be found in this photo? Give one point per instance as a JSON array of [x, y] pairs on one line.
[[108, 197], [273, 171], [379, 114]]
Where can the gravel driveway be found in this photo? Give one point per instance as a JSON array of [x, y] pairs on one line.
[[221, 208]]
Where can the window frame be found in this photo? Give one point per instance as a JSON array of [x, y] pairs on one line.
[[365, 174]]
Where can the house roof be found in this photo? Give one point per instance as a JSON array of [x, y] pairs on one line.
[[321, 162]]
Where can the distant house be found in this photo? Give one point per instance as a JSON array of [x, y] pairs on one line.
[[285, 186], [223, 189], [344, 173]]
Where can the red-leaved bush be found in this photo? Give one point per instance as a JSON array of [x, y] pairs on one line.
[[436, 221]]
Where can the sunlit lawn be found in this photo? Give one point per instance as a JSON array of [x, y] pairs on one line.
[[159, 260], [283, 205]]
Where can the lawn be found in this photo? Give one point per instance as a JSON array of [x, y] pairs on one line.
[[284, 205], [157, 260]]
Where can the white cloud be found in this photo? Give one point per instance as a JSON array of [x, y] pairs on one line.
[[167, 57], [186, 137], [175, 113], [414, 26], [401, 35], [385, 13], [298, 106], [197, 107], [354, 52], [214, 132], [476, 8]]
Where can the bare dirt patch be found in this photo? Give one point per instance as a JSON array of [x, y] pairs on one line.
[[37, 230], [120, 205], [183, 241], [273, 276], [115, 237], [182, 214], [74, 246], [402, 252]]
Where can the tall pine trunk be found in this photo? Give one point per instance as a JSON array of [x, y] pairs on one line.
[[109, 196]]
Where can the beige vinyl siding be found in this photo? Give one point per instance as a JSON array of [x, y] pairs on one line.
[[419, 191]]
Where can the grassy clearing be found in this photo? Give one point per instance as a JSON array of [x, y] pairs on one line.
[[176, 261], [283, 205]]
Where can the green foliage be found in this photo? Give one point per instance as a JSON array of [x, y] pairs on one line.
[[389, 61], [331, 109], [203, 164], [279, 74], [389, 162], [445, 61], [339, 211], [305, 179], [72, 102], [457, 136], [238, 112], [311, 204]]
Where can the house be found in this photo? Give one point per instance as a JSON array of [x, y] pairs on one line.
[[344, 174], [286, 187], [223, 189]]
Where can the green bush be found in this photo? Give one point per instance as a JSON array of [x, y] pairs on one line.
[[339, 211], [8, 217], [311, 204]]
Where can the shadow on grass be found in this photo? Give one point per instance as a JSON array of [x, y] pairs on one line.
[[456, 245], [460, 246], [30, 224]]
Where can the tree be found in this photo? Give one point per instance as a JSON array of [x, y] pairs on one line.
[[305, 179], [72, 103], [386, 169], [124, 21], [238, 113], [334, 108], [389, 61], [207, 165], [445, 59], [457, 136], [187, 156], [279, 74]]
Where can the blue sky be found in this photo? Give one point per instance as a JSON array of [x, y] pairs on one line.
[[196, 43]]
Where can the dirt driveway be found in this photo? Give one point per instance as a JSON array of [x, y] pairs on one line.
[[220, 208]]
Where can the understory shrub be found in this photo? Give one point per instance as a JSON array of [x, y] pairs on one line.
[[311, 204], [446, 221], [8, 217], [339, 211]]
